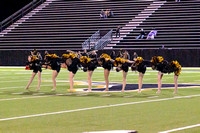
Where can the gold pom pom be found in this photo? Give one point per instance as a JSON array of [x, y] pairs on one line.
[[156, 59], [105, 56], [33, 58], [119, 60], [70, 55], [85, 59], [177, 68], [138, 60]]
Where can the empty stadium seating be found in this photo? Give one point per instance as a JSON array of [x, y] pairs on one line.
[[178, 26], [59, 24]]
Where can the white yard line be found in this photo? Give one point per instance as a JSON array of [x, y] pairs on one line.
[[97, 107], [25, 86], [181, 128], [24, 97]]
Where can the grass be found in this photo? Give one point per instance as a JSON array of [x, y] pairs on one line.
[[149, 117]]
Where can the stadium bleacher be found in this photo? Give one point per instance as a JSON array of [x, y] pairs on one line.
[[177, 24], [58, 24]]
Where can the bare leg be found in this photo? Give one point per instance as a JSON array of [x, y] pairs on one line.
[[175, 83], [30, 81], [124, 80], [106, 76], [39, 80], [160, 75], [89, 77], [140, 81], [71, 81], [54, 75]]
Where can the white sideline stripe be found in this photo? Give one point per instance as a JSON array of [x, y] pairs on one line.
[[98, 107], [178, 129], [25, 86], [24, 98]]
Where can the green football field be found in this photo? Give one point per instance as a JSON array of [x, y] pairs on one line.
[[46, 111]]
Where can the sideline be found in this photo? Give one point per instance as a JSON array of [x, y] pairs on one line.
[[181, 128], [24, 98], [97, 107]]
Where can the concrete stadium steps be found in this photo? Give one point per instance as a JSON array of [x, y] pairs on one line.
[[60, 24], [177, 23]]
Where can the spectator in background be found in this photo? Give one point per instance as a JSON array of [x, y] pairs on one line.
[[117, 33], [152, 34], [141, 35], [120, 54], [135, 56], [112, 55], [126, 55], [84, 53], [102, 14], [110, 13]]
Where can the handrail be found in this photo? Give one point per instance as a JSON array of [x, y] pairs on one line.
[[20, 13], [106, 39], [88, 44]]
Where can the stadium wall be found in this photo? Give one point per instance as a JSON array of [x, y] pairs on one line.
[[186, 57], [9, 7]]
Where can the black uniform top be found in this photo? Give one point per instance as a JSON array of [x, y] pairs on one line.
[[53, 62], [73, 67], [35, 66], [84, 54], [142, 66]]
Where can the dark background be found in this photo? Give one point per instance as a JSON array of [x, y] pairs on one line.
[[186, 57], [8, 7]]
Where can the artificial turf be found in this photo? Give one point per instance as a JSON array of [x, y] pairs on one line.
[[145, 117]]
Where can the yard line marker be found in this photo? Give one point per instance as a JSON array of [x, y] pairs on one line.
[[24, 86], [97, 107], [24, 98], [178, 129], [17, 93], [153, 97]]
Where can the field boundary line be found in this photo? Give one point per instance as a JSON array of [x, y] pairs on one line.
[[97, 107], [24, 98], [4, 88], [181, 128]]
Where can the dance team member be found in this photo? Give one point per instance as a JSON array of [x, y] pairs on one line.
[[34, 64], [140, 66], [52, 61], [123, 64], [72, 62], [89, 64], [106, 62], [158, 63]]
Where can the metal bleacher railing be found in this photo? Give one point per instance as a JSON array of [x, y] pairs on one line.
[[106, 39], [19, 14], [89, 43], [96, 41]]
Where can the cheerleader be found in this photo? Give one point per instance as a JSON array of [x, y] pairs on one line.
[[52, 61], [71, 61], [158, 63], [123, 64], [89, 64], [34, 64], [106, 62], [140, 66]]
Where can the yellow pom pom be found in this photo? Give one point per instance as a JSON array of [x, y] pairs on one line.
[[138, 60]]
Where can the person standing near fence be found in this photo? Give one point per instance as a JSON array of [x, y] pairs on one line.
[[118, 31]]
